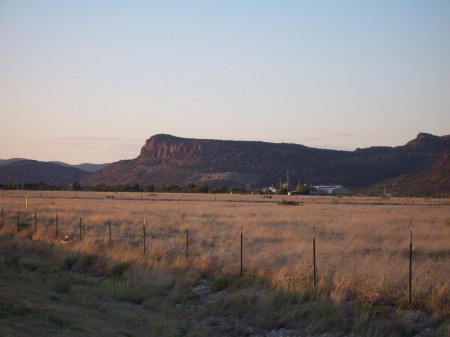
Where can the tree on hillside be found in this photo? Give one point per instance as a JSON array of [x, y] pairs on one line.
[[76, 186]]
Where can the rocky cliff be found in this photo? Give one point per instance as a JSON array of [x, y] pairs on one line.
[[165, 160]]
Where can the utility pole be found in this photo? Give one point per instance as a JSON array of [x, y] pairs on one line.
[[287, 180]]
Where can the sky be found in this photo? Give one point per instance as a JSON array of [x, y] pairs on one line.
[[90, 81]]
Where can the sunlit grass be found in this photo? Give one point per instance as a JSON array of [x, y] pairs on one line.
[[362, 244]]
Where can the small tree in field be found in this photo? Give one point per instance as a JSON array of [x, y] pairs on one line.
[[303, 188], [284, 189]]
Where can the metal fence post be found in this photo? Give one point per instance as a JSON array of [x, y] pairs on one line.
[[410, 267], [187, 242], [242, 244], [143, 229], [314, 257], [56, 226]]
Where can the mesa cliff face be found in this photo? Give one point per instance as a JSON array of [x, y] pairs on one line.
[[161, 147], [165, 160]]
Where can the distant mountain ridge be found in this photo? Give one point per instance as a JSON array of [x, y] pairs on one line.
[[166, 159], [20, 170], [11, 160], [33, 171], [432, 182], [88, 167]]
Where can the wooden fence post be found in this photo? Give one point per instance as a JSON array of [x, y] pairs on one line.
[[18, 219], [35, 222], [80, 229]]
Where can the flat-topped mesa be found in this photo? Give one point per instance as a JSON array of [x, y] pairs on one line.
[[166, 160], [163, 146]]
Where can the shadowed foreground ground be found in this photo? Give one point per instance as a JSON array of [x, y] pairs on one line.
[[49, 290]]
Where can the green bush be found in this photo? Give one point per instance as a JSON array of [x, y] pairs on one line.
[[63, 285], [134, 296], [70, 262], [57, 322], [288, 202], [12, 261], [53, 296], [119, 269], [220, 283], [20, 311]]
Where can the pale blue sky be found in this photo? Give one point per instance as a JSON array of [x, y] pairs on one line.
[[90, 81]]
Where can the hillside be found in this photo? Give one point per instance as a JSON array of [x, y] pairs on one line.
[[165, 160], [433, 182], [32, 171], [9, 161], [88, 167]]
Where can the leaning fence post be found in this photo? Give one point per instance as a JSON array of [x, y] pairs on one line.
[[410, 267], [242, 241], [314, 257]]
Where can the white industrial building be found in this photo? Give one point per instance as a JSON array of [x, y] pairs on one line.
[[329, 190]]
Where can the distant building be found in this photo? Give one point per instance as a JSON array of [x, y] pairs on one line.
[[295, 193], [272, 189], [329, 190]]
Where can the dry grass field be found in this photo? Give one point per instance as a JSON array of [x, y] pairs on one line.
[[362, 244]]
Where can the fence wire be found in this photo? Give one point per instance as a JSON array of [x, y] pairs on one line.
[[17, 223]]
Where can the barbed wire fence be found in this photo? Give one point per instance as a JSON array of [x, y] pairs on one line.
[[78, 232]]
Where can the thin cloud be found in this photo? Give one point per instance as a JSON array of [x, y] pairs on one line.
[[292, 140], [91, 149], [80, 140], [341, 134], [114, 145]]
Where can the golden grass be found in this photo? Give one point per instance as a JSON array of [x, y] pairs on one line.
[[362, 244]]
